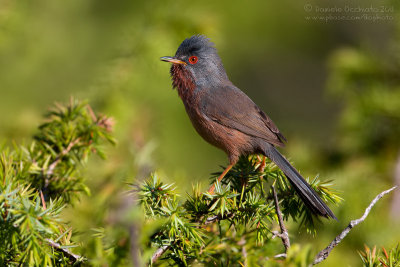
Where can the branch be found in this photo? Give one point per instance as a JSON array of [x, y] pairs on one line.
[[325, 252], [282, 255], [42, 198], [53, 165], [159, 253], [215, 218], [68, 253], [242, 243], [284, 233]]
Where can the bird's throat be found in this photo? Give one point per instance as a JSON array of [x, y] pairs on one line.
[[182, 80]]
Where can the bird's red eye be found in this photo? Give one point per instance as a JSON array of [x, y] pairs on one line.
[[193, 60]]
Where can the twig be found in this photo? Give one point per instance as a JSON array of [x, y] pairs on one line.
[[211, 219], [215, 218], [68, 253], [159, 253], [282, 255], [242, 243], [42, 198], [325, 252], [277, 234], [53, 165], [284, 233], [91, 113]]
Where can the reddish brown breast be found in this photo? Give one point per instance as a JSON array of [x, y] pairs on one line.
[[233, 142], [182, 80]]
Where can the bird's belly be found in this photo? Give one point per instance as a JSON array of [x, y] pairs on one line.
[[232, 141]]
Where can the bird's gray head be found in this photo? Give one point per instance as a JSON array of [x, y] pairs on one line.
[[197, 59]]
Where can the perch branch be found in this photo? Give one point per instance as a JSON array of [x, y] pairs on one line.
[[212, 219], [284, 233], [325, 252]]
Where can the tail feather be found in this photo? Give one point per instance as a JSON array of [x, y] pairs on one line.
[[310, 198]]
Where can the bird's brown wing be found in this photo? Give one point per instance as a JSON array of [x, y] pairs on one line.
[[234, 109]]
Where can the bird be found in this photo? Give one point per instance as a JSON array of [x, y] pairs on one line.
[[227, 118]]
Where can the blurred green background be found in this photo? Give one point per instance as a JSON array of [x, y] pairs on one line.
[[331, 84]]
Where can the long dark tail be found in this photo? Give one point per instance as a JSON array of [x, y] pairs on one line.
[[306, 193]]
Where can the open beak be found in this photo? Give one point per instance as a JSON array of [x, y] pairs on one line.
[[173, 60]]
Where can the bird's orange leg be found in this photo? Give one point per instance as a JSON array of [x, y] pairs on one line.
[[212, 188], [261, 168]]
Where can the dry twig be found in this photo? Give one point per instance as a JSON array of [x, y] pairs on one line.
[[284, 233], [325, 252], [159, 252], [69, 254], [43, 201], [215, 218], [53, 165]]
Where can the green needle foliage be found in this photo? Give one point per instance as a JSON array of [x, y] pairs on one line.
[[237, 225], [70, 135], [218, 229], [37, 181]]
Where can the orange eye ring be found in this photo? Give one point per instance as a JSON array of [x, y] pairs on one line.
[[193, 60]]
